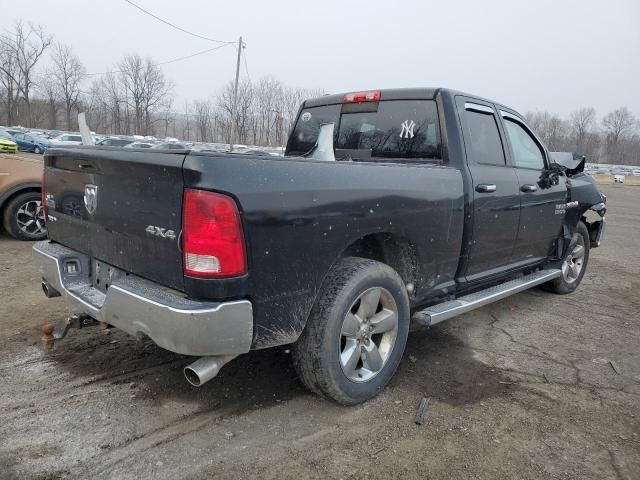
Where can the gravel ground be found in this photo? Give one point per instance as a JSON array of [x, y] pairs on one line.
[[535, 386]]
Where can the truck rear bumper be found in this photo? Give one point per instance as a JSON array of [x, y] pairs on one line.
[[141, 307]]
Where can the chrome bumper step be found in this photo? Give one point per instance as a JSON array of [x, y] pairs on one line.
[[446, 310]]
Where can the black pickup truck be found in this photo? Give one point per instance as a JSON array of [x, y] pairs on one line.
[[388, 206]]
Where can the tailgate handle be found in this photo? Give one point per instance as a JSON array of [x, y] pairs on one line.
[[85, 166]]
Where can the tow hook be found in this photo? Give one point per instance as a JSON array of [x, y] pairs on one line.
[[51, 333]]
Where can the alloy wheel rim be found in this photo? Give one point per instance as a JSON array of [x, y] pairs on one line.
[[30, 218], [574, 263], [368, 334]]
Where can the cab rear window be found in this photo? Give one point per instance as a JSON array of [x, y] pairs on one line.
[[403, 130]]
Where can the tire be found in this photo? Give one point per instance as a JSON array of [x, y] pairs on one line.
[[24, 218], [37, 150], [574, 265], [346, 352]]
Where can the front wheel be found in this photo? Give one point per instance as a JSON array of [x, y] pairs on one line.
[[356, 333], [37, 150], [574, 265]]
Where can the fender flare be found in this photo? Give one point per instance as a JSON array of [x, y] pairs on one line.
[[25, 187]]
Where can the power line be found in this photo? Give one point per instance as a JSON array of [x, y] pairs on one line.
[[193, 54], [168, 61], [172, 25]]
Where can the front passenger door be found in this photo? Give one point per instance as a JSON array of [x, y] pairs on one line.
[[542, 204]]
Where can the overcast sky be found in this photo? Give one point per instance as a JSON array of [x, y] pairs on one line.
[[556, 55]]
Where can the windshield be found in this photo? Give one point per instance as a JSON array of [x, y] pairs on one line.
[[394, 129]]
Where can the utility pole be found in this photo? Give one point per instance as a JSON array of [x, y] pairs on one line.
[[234, 109]]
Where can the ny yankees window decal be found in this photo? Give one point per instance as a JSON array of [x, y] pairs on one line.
[[407, 129]]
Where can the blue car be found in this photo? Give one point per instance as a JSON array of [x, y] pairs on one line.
[[31, 143]]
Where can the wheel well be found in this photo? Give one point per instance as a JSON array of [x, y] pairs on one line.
[[397, 252], [14, 194]]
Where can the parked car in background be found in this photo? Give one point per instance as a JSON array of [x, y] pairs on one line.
[[14, 131], [170, 146], [38, 133], [31, 143], [114, 142], [7, 144], [66, 139], [20, 197], [139, 145], [255, 151]]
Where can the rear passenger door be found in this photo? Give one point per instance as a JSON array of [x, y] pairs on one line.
[[496, 202], [542, 203]]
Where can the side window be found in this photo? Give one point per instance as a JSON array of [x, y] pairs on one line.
[[526, 151], [305, 133], [64, 138], [484, 144]]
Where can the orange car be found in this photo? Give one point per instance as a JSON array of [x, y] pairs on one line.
[[20, 197]]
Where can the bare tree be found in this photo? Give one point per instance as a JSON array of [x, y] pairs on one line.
[[582, 121], [551, 128], [618, 125], [203, 111], [186, 125], [243, 111], [26, 46], [10, 79], [68, 72], [109, 100], [51, 93], [146, 90]]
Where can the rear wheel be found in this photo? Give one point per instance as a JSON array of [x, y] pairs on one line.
[[37, 150], [24, 217], [574, 266], [356, 333]]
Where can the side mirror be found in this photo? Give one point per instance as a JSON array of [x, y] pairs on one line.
[[551, 175], [556, 168]]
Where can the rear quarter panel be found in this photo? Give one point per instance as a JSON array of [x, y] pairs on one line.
[[301, 215], [16, 172]]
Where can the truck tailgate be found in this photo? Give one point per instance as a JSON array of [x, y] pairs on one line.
[[123, 208]]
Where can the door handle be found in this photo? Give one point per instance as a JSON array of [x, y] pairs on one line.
[[528, 188], [485, 188]]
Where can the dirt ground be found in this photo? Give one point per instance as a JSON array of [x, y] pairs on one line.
[[535, 386]]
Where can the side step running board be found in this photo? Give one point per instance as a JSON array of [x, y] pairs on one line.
[[443, 311]]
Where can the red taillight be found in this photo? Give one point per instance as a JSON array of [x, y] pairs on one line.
[[356, 97], [212, 238]]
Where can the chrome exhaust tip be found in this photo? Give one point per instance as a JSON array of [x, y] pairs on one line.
[[49, 291], [205, 368]]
